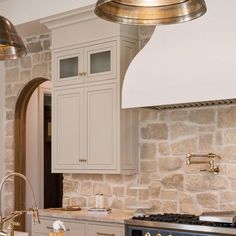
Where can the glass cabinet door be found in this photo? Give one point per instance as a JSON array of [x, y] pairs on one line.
[[69, 66], [100, 62]]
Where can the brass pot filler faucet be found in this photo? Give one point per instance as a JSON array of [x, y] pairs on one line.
[[210, 161], [10, 218]]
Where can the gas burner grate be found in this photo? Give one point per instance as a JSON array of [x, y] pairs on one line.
[[182, 219]]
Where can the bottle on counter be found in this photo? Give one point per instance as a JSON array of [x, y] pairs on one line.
[[58, 228], [99, 201]]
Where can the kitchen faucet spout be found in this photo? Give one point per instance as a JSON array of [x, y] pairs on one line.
[[33, 210]]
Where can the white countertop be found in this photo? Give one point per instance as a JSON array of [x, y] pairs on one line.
[[116, 216]]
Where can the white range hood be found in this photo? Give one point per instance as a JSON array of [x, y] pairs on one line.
[[187, 63]]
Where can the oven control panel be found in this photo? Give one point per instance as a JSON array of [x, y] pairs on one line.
[[145, 231]]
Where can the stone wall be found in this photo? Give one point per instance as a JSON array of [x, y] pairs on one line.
[[165, 139], [19, 72]]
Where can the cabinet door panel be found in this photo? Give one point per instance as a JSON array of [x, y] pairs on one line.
[[101, 118], [67, 131], [68, 66], [100, 62]]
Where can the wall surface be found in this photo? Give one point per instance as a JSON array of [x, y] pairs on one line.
[[19, 72], [165, 139]]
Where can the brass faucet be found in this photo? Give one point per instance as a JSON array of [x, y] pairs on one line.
[[211, 161], [10, 218]]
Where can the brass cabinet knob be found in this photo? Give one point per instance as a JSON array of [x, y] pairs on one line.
[[82, 160], [80, 73], [147, 234], [84, 73]]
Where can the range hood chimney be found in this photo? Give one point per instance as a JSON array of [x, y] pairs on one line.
[[191, 64]]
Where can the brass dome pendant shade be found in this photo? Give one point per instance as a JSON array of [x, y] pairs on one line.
[[11, 45], [150, 12]]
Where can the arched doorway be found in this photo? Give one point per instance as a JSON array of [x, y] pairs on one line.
[[20, 142]]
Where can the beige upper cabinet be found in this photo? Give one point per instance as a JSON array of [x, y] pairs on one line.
[[90, 131], [89, 63]]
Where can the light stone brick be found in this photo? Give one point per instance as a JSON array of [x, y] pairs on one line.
[[146, 178], [202, 116], [207, 200], [218, 138], [148, 166], [114, 178], [188, 205], [26, 62], [104, 188], [10, 102], [170, 164], [8, 90], [206, 143], [9, 115], [40, 70], [148, 151], [131, 192], [209, 128], [25, 75], [9, 156], [9, 142], [164, 149], [86, 188], [164, 116], [229, 153], [144, 194], [17, 88], [173, 181], [232, 184], [226, 197], [147, 114], [169, 207], [79, 201], [130, 201], [228, 207], [117, 204], [217, 182], [229, 136], [184, 146], [70, 186], [155, 206], [96, 177], [169, 195], [155, 131], [155, 188], [12, 75], [34, 47], [119, 191], [178, 115], [226, 117], [197, 183], [46, 44], [180, 129], [9, 128]]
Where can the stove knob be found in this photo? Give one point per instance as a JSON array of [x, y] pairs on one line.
[[147, 234], [158, 235], [170, 235]]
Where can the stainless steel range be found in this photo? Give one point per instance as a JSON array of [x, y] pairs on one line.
[[176, 225]]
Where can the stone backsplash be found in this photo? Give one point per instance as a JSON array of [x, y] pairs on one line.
[[165, 139]]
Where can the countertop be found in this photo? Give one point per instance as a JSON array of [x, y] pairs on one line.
[[116, 216]]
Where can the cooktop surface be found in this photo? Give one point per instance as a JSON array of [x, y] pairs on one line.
[[182, 219]]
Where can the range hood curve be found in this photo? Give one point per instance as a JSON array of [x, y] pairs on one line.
[[191, 64]]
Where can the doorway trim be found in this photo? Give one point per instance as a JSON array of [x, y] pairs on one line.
[[20, 142]]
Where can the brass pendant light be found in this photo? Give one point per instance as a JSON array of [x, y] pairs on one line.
[[11, 45], [150, 12]]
